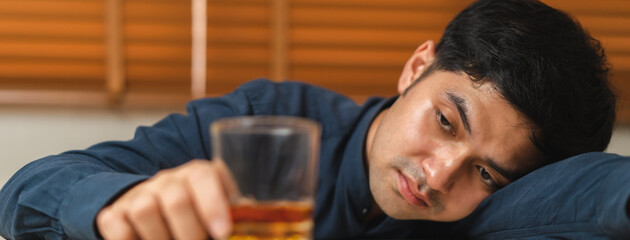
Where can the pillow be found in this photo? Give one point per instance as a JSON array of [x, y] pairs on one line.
[[583, 197]]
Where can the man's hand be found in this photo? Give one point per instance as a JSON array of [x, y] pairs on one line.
[[187, 202]]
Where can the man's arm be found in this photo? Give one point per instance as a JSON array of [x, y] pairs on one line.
[[59, 196]]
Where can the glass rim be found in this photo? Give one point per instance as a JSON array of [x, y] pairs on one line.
[[264, 121]]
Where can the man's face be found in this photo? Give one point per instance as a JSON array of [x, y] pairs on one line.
[[442, 148]]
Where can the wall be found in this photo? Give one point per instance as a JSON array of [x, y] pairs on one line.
[[27, 134]]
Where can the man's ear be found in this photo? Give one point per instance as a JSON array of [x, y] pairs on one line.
[[415, 66]]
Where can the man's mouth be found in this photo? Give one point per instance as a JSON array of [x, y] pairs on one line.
[[408, 188]]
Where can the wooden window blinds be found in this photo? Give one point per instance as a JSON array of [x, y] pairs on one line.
[[138, 52]]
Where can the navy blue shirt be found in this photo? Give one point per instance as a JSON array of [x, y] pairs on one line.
[[58, 197]]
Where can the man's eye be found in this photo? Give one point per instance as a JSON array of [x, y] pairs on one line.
[[487, 178], [444, 123], [484, 174]]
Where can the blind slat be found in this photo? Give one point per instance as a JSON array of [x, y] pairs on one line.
[[428, 20], [57, 8], [87, 70], [153, 32], [163, 72], [231, 14], [157, 11], [239, 54], [51, 28], [52, 49], [348, 57], [351, 37], [600, 7], [221, 34], [158, 52], [620, 62], [615, 44], [385, 77], [451, 6], [606, 24]]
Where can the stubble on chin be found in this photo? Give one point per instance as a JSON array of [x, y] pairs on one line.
[[405, 165]]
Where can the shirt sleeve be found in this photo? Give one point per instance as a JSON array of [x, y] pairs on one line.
[[58, 197]]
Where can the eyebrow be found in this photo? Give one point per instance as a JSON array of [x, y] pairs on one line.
[[507, 174], [462, 108]]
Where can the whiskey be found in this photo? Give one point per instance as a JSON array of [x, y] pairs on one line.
[[272, 220]]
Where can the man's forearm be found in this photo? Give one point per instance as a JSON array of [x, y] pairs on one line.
[[50, 197]]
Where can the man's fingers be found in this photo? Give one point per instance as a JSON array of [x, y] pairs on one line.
[[114, 225], [187, 202], [210, 200], [180, 214], [146, 219]]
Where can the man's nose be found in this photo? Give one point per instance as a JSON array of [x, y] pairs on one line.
[[442, 171]]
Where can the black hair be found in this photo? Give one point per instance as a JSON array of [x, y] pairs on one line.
[[543, 63]]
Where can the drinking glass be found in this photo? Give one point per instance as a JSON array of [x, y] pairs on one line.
[[273, 161]]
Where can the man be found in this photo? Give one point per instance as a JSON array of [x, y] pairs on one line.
[[512, 85]]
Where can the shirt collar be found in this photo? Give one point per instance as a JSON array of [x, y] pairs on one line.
[[353, 172]]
